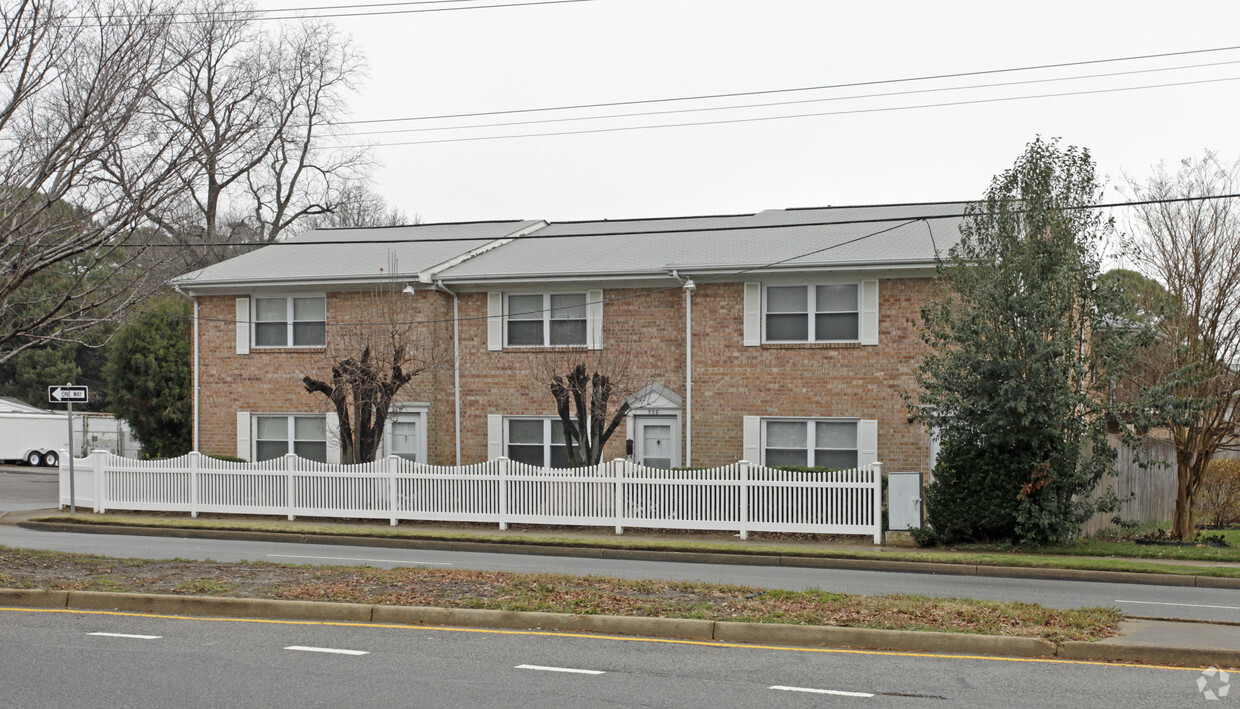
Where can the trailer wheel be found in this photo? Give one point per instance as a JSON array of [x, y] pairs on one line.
[[51, 459], [34, 458]]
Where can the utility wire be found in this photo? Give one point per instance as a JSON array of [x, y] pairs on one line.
[[825, 87], [731, 274], [267, 15], [798, 115], [643, 294], [660, 232], [824, 99]]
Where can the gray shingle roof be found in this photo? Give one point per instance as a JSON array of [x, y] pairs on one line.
[[352, 255], [869, 236], [797, 238]]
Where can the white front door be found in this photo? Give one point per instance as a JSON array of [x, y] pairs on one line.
[[657, 441], [405, 437]]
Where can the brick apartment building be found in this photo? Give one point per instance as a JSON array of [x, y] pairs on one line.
[[782, 337]]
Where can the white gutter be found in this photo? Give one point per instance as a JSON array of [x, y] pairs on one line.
[[689, 287]]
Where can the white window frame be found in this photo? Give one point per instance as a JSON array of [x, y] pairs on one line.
[[811, 312], [547, 444], [291, 440], [289, 322], [810, 433], [547, 319]]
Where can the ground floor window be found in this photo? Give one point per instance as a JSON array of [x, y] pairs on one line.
[[277, 435], [827, 443], [537, 441]]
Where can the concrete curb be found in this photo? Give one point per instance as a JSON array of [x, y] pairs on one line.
[[914, 567], [680, 628], [1149, 654]]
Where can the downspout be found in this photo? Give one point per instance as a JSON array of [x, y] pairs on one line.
[[689, 287], [456, 361], [197, 371], [197, 368]]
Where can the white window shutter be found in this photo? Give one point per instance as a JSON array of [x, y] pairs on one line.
[[753, 315], [333, 437], [495, 321], [869, 312], [495, 436], [243, 325], [867, 442], [243, 435], [751, 431], [594, 321]]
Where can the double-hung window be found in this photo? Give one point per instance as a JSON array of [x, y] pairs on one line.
[[537, 441], [546, 319], [293, 321], [828, 313], [810, 442], [277, 435]]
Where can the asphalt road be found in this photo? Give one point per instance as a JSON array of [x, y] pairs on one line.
[[79, 659], [32, 487]]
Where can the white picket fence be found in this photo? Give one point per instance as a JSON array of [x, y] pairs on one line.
[[741, 496]]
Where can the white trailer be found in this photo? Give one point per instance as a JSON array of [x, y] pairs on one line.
[[30, 434]]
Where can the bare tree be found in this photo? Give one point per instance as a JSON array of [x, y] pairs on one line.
[[1192, 248], [593, 392], [217, 104], [304, 174], [76, 81], [372, 361], [257, 110], [357, 205]]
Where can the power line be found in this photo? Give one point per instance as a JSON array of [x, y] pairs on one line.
[[799, 115], [663, 232], [799, 101], [109, 20], [906, 221], [825, 87], [643, 294]]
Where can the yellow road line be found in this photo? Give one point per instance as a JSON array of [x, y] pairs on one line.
[[621, 638]]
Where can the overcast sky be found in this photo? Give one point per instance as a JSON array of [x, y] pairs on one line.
[[608, 51]]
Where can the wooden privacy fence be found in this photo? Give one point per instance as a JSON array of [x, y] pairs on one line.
[[741, 496], [1148, 492]]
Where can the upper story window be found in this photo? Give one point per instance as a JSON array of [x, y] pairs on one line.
[[827, 313], [537, 441], [277, 435], [293, 321], [545, 319], [810, 442]]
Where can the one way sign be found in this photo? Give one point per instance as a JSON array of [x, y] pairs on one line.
[[68, 394]]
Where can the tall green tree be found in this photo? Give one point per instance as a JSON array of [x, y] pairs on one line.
[[1017, 372], [150, 379]]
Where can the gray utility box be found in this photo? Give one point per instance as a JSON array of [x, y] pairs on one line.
[[903, 501]]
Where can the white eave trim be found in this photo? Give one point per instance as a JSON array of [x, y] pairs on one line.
[[429, 275]]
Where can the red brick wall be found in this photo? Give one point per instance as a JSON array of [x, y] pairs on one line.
[[644, 337], [730, 380], [269, 379], [865, 381]]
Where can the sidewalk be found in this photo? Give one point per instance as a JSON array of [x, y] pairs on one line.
[[1148, 641]]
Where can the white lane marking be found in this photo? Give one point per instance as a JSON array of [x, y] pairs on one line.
[[559, 669], [350, 558], [836, 692], [1186, 605], [332, 650], [123, 635]]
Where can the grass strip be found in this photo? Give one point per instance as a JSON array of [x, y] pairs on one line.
[[1076, 557], [555, 593]]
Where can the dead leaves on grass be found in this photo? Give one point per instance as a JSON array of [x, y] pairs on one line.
[[459, 588]]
